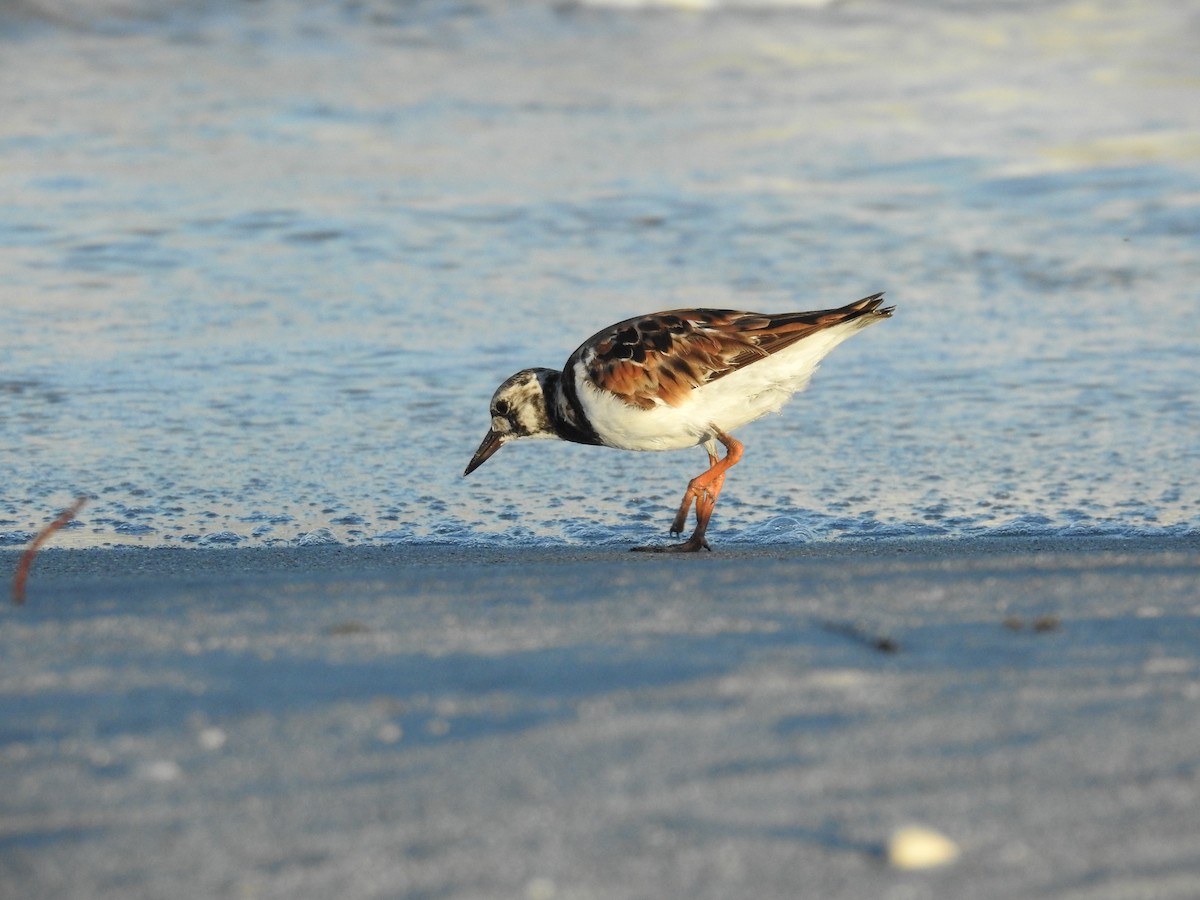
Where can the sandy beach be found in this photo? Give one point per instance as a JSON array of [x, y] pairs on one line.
[[448, 722]]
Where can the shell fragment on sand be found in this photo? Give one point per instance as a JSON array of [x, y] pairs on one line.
[[916, 847]]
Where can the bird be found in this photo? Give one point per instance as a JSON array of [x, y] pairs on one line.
[[673, 380]]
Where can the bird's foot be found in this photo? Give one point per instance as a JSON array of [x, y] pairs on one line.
[[692, 545]]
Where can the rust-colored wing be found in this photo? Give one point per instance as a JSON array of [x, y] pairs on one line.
[[663, 357]]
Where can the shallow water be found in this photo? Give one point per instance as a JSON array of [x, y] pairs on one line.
[[263, 265]]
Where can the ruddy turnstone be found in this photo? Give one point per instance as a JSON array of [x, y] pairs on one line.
[[671, 380]]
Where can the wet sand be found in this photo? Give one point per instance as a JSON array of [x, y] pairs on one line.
[[444, 722]]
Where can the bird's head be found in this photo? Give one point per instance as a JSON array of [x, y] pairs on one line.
[[518, 411]]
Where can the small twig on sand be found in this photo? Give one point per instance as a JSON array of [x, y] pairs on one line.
[[23, 567], [881, 642]]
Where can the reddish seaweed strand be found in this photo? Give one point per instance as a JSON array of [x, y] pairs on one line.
[[26, 563]]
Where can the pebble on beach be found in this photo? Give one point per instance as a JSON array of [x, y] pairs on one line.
[[916, 847]]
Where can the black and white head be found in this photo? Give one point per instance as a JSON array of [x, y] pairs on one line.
[[518, 411]]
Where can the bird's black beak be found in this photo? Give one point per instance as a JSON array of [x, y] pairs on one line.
[[492, 442]]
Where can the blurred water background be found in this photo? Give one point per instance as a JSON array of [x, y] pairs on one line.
[[263, 264]]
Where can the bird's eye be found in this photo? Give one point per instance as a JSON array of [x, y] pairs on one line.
[[501, 408]]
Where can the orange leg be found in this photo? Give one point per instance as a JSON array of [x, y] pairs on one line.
[[694, 493], [703, 490]]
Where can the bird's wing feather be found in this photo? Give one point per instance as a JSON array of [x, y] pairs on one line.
[[663, 357]]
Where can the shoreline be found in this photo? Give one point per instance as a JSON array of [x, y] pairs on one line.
[[164, 560]]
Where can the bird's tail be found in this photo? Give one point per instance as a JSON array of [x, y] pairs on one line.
[[868, 307]]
